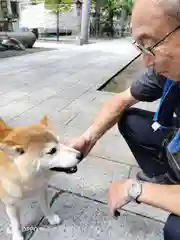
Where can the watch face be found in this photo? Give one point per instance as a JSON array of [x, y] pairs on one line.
[[135, 190]]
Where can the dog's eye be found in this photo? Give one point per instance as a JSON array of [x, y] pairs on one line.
[[52, 151], [20, 150]]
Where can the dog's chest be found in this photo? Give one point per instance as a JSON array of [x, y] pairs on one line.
[[29, 189], [36, 184]]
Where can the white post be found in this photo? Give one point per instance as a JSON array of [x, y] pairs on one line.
[[85, 21]]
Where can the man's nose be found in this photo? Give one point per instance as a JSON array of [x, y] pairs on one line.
[[147, 59]]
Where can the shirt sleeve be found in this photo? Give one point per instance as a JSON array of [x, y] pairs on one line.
[[148, 86]]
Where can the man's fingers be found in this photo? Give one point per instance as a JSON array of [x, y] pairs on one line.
[[75, 144], [116, 214]]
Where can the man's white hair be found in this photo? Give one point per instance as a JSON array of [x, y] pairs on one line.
[[171, 8]]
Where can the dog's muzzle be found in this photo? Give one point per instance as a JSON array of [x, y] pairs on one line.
[[69, 170]]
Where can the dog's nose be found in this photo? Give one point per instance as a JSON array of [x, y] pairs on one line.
[[80, 156]]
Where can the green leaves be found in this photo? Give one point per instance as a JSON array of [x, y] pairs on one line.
[[58, 5], [118, 5]]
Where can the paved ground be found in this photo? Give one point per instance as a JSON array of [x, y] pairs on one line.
[[63, 83]]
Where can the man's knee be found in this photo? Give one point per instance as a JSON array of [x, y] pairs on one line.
[[172, 228], [125, 120], [135, 125]]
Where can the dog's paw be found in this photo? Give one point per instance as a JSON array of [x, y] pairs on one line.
[[54, 220], [17, 237]]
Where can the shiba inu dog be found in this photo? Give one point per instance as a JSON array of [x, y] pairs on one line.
[[29, 156]]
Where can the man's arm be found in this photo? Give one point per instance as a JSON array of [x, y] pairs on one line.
[[110, 114], [166, 197], [147, 87]]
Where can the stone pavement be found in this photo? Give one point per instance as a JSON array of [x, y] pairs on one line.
[[63, 83]]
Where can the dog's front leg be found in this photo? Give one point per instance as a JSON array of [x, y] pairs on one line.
[[14, 217], [52, 218]]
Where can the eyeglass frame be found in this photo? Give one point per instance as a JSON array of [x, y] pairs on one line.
[[148, 50]]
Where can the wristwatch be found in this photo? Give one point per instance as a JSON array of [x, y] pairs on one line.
[[135, 191]]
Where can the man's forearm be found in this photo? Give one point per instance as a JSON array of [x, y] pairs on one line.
[[110, 114], [166, 197]]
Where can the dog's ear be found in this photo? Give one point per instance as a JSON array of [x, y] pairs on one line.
[[45, 121], [3, 125], [4, 130], [11, 149]]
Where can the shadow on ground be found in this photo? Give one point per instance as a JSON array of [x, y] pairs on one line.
[[14, 53]]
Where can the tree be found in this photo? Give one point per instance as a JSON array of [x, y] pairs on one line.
[[58, 6], [115, 8]]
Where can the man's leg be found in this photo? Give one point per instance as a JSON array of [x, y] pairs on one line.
[[135, 126], [172, 228]]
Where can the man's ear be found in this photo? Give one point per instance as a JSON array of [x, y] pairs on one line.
[[4, 130]]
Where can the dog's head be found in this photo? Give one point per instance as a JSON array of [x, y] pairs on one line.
[[37, 147]]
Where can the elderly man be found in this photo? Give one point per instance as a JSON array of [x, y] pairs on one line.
[[156, 31]]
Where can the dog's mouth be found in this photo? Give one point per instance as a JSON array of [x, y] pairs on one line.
[[70, 170]]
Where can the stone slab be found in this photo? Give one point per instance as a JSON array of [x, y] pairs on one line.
[[65, 116], [78, 106], [12, 96], [51, 107], [40, 95], [88, 220], [83, 120], [114, 148], [72, 92], [14, 109]]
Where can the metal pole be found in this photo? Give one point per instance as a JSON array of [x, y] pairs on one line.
[[85, 21], [58, 22]]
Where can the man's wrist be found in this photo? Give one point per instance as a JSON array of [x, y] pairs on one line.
[[91, 135], [135, 190]]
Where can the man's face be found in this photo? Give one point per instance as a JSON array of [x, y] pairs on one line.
[[149, 26]]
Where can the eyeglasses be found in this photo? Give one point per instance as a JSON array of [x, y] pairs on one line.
[[149, 50]]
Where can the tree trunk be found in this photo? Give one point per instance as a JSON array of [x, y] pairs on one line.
[[57, 32], [123, 20], [97, 21], [85, 22], [111, 22]]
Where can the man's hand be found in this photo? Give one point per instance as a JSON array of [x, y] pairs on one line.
[[118, 195], [83, 144]]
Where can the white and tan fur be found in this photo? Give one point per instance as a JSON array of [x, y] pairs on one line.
[[26, 156]]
